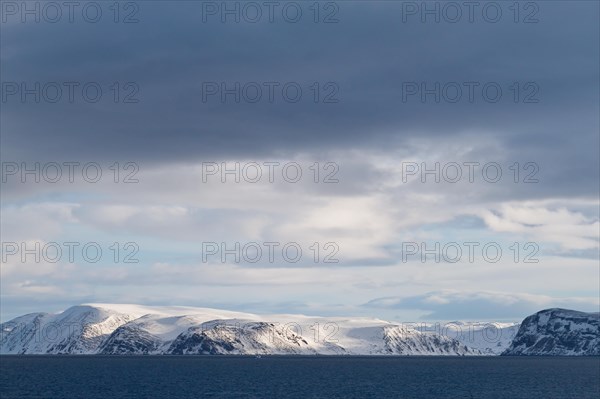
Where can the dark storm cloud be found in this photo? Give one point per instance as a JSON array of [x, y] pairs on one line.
[[368, 54]]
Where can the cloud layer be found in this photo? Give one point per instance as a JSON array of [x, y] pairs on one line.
[[377, 135]]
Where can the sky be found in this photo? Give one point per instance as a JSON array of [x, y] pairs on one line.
[[401, 160]]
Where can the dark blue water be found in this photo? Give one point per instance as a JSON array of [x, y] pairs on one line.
[[297, 377]]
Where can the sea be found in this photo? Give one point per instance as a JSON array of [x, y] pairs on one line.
[[327, 377]]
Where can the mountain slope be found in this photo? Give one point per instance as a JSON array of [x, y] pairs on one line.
[[558, 332], [489, 338], [77, 330], [400, 341]]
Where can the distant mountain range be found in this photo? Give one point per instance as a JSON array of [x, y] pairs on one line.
[[133, 330]]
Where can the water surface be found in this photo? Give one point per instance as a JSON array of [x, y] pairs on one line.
[[103, 377]]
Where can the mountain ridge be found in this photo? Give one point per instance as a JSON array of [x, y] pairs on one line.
[[129, 329], [136, 329]]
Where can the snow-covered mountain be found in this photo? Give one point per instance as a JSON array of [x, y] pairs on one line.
[[489, 338], [558, 332], [77, 330], [133, 329]]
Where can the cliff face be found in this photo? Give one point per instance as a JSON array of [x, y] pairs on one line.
[[557, 332]]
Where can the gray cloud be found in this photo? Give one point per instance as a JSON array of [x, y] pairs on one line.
[[369, 54]]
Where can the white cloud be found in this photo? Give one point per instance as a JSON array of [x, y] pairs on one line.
[[36, 220], [570, 230], [368, 214], [486, 305]]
